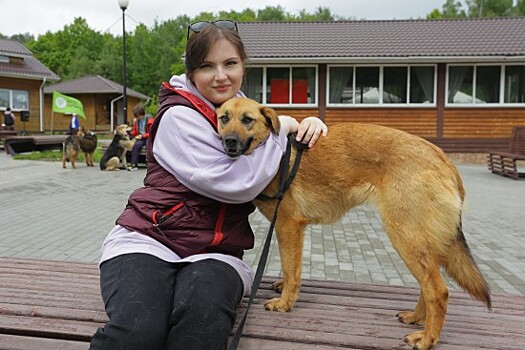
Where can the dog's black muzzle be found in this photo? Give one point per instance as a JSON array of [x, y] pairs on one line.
[[234, 147]]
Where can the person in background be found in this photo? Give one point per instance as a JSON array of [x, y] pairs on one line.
[[9, 120], [140, 131], [74, 124], [171, 270]]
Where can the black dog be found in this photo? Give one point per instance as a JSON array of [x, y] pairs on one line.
[[117, 149]]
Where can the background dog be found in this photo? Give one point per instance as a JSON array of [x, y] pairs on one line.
[[70, 150], [417, 191], [88, 144], [117, 149]]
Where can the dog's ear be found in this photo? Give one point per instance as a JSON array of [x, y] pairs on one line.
[[271, 118]]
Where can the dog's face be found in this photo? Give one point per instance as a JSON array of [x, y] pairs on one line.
[[122, 130], [244, 124]]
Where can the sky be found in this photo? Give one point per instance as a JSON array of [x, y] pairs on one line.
[[37, 17]]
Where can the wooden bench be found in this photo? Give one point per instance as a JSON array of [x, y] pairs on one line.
[[20, 144], [505, 163], [6, 133], [56, 305]]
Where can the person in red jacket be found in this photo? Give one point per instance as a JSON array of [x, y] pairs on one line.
[[140, 131]]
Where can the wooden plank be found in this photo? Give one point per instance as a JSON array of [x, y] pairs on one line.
[[16, 342]]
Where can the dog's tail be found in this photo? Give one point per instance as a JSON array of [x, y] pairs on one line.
[[460, 265]]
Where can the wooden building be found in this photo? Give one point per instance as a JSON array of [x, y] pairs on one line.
[[22, 79], [102, 100], [458, 83]]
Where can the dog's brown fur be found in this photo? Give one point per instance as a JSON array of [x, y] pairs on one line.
[[116, 152], [70, 150], [417, 191], [88, 144]]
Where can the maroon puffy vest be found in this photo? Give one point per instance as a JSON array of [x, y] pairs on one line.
[[186, 222]]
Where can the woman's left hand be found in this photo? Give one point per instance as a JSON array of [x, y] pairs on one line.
[[310, 129]]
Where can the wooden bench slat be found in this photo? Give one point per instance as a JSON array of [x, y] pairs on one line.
[[16, 342]]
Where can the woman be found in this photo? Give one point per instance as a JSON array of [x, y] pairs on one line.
[[171, 272]]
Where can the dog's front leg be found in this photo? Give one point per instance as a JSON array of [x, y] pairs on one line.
[[290, 236], [124, 159]]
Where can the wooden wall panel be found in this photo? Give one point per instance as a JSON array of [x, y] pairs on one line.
[[481, 122], [421, 122]]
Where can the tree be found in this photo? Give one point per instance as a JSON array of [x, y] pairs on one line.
[[520, 8], [451, 9], [490, 8]]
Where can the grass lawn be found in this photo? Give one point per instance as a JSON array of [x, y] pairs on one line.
[[55, 156]]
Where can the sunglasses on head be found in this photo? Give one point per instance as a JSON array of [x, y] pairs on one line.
[[198, 27]]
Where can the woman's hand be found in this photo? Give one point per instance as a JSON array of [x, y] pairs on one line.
[[310, 129]]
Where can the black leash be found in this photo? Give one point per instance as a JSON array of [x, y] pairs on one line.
[[284, 183]]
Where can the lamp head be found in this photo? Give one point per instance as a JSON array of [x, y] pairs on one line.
[[123, 4]]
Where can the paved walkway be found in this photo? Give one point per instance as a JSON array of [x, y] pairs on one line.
[[50, 213]]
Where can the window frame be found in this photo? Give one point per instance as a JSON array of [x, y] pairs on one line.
[[381, 103], [501, 94], [10, 101], [290, 81]]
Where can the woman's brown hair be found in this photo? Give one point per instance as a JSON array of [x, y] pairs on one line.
[[199, 45]]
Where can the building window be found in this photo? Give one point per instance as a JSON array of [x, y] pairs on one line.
[[253, 84], [367, 85], [395, 84], [486, 84], [16, 99], [288, 85], [341, 85], [388, 85], [514, 84], [421, 84], [5, 98], [460, 88]]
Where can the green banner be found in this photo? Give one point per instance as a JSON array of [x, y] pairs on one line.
[[67, 105]]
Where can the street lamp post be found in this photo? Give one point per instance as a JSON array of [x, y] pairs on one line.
[[124, 5]]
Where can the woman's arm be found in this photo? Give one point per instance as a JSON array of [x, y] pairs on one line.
[[189, 148]]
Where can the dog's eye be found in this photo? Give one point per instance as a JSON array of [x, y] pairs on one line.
[[224, 119], [247, 120]]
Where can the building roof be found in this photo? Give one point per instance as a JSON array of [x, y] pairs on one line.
[[92, 84], [456, 39], [29, 67]]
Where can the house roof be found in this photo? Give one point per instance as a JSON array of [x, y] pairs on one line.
[[30, 67], [92, 84], [482, 38]]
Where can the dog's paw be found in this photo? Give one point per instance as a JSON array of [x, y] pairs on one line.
[[278, 304], [420, 340], [409, 317], [278, 286]]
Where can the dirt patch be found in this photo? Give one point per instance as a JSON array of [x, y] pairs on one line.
[[468, 158]]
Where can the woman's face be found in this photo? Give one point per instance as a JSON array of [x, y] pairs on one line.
[[219, 77]]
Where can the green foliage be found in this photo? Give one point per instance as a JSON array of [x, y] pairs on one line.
[[519, 10], [55, 156], [479, 8]]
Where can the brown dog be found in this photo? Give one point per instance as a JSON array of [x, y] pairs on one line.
[[70, 150], [88, 144], [417, 191]]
